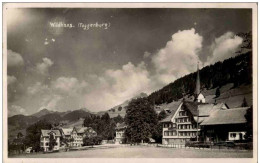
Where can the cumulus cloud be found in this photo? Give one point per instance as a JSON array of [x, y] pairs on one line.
[[63, 89], [224, 47], [119, 85], [43, 68], [67, 85], [15, 109], [11, 80], [179, 57], [14, 59]]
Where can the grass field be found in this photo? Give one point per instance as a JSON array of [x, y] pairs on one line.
[[142, 152]]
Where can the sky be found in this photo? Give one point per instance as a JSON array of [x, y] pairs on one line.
[[70, 58]]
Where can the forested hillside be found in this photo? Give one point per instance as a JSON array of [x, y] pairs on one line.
[[237, 70]]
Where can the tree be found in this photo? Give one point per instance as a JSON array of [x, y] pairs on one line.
[[141, 120], [118, 119], [217, 94], [33, 134], [249, 124], [19, 135], [120, 108], [244, 103], [162, 115], [52, 142]]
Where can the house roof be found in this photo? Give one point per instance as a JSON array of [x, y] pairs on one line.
[[207, 109], [173, 109], [81, 130], [67, 131], [47, 132], [121, 125], [191, 106], [228, 116]]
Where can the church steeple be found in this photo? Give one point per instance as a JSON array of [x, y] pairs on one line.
[[199, 97], [197, 90]]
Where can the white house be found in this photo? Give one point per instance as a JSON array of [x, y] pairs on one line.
[[45, 139]]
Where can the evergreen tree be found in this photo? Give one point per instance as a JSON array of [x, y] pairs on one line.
[[244, 103], [52, 142], [217, 94]]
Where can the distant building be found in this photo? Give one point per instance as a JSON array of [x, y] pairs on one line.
[[78, 134], [120, 133], [45, 139]]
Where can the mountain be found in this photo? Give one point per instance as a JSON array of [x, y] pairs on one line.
[[42, 113], [121, 109], [19, 123], [75, 115]]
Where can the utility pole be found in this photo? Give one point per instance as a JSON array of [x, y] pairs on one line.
[[198, 125]]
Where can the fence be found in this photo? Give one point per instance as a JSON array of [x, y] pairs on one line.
[[209, 146]]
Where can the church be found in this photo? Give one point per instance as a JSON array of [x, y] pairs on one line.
[[197, 120]]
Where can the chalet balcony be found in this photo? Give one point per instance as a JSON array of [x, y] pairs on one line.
[[187, 129], [184, 123], [172, 128]]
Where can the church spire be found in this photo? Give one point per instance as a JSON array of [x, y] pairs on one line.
[[197, 90]]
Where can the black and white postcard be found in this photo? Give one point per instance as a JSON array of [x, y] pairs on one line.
[[129, 80]]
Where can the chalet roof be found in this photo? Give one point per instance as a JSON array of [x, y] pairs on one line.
[[67, 131], [207, 109], [191, 106], [121, 125], [46, 133], [81, 130], [173, 109], [228, 116]]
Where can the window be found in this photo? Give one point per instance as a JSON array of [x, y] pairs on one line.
[[47, 144], [233, 135], [166, 133], [170, 133], [170, 125]]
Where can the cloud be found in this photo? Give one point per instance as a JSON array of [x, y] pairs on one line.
[[58, 93], [224, 47], [15, 109], [179, 57], [147, 54], [11, 80], [14, 59], [37, 88], [116, 86], [66, 85], [43, 68], [51, 102]]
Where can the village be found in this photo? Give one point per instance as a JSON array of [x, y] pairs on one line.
[[193, 123]]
